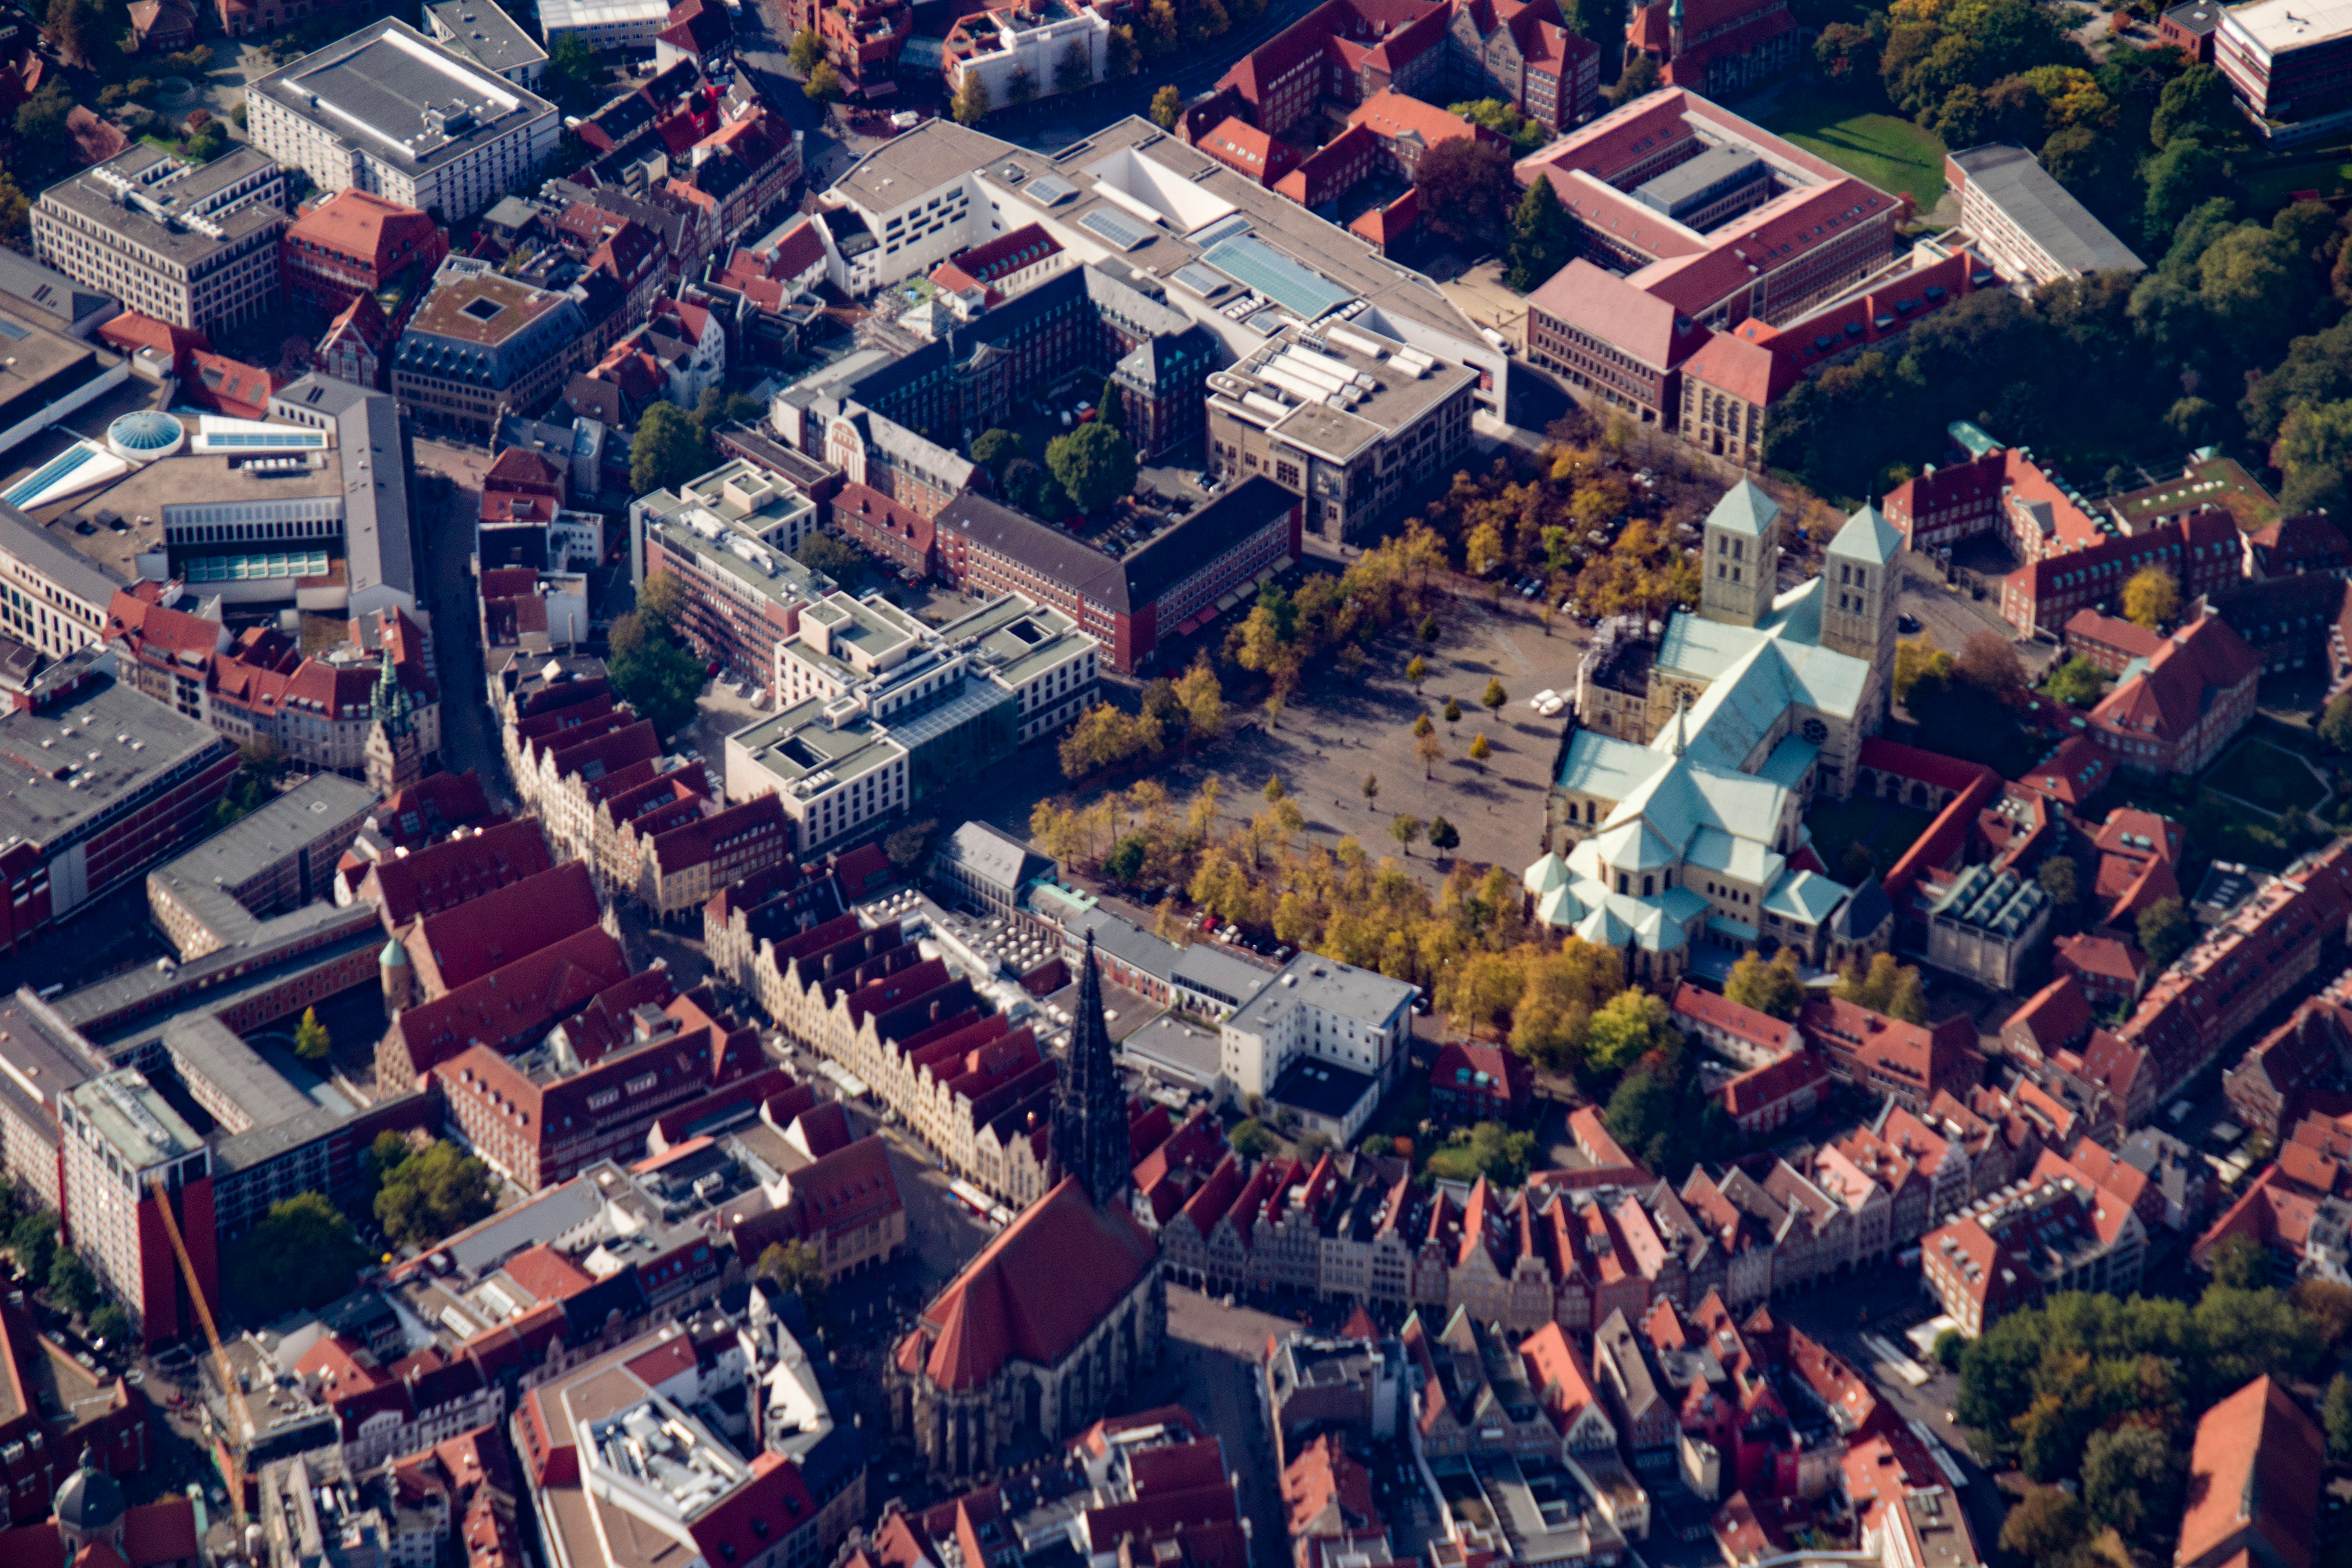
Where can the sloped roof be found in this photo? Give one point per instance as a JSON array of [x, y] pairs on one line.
[[2254, 1480], [1036, 1291]]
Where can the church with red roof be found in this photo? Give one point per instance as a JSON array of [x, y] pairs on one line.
[[1060, 1312]]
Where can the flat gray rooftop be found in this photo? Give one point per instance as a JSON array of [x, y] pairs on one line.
[[157, 201], [2013, 180], [64, 767], [397, 94], [487, 33]]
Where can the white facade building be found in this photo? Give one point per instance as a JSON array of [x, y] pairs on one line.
[[390, 111]]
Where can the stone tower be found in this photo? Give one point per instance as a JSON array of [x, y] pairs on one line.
[[1859, 581], [1089, 1136], [395, 759], [1742, 563], [393, 973]]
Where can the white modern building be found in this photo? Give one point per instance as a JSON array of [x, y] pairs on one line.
[[1324, 1039], [120, 1136], [390, 111], [488, 37], [192, 244], [607, 25]]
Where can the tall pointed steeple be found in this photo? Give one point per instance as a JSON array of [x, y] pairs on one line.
[[1089, 1135]]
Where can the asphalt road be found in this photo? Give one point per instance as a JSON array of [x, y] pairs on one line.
[[468, 736]]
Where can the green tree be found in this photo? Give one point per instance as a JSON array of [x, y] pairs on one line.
[[72, 1283], [1950, 1345], [2049, 1528], [34, 1240], [1886, 987], [15, 209], [1481, 748], [1639, 76], [2131, 1481], [2239, 1263], [85, 31], [302, 1255], [1406, 831], [2336, 721], [806, 50], [1490, 1150], [1774, 988], [1416, 670], [1525, 132], [1372, 788], [1494, 697], [2336, 1414], [110, 1324], [1274, 791], [2078, 682], [1251, 1139], [1452, 711], [797, 1267], [1442, 835], [666, 451], [1542, 237], [993, 447], [41, 118], [1427, 630], [2165, 931], [206, 143], [1634, 1024], [1123, 57], [1093, 464], [431, 1192], [2063, 882], [2313, 446], [970, 105], [311, 1040], [660, 678], [823, 84], [835, 558], [1124, 861], [910, 846], [2196, 103], [1463, 183], [2179, 179], [576, 72], [1074, 71]]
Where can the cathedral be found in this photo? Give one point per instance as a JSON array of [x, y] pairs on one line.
[[1677, 815], [1060, 1312]]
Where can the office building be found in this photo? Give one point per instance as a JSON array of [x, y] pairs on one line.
[[728, 537], [390, 111], [608, 26], [2027, 224], [1324, 1038], [484, 346], [127, 1150], [277, 859], [1690, 220], [189, 244], [2284, 60], [485, 35], [1170, 585], [1343, 418], [1182, 227]]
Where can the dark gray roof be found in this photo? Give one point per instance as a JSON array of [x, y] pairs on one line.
[[1174, 555], [1322, 1087], [1046, 551], [2197, 18], [70, 307], [390, 90], [1861, 915], [26, 540], [203, 1048], [114, 740], [2013, 180], [149, 197], [487, 33]]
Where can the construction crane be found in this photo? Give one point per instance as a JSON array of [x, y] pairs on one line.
[[234, 1450]]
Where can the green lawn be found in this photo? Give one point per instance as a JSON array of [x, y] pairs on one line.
[[2262, 775], [1888, 150], [2266, 190]]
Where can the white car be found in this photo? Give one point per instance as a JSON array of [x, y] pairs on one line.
[[1540, 698], [1551, 708]]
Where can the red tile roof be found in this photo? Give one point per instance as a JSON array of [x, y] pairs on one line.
[[464, 943], [456, 869], [2253, 1481], [1036, 1290]]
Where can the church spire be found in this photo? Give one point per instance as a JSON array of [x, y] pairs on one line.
[[1682, 732], [1089, 1134]]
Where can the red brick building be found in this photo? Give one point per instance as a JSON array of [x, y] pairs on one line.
[[1168, 587], [1476, 1082], [356, 243], [2190, 699], [1909, 1063]]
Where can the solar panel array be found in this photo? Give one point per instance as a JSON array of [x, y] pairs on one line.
[[1203, 280], [1224, 227], [1302, 290], [1051, 188], [1115, 227]]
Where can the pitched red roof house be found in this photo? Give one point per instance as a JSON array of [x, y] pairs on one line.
[[463, 943], [2191, 697]]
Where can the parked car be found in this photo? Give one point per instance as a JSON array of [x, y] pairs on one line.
[[1907, 623]]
